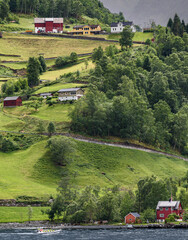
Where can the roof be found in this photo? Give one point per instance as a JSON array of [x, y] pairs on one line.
[[124, 24], [81, 26], [43, 20], [45, 94], [69, 90], [174, 204], [135, 214], [11, 98]]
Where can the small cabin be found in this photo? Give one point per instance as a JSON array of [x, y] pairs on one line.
[[69, 94], [132, 217], [12, 101], [164, 208]]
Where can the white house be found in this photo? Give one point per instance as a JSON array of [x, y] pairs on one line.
[[45, 95], [118, 27], [69, 94]]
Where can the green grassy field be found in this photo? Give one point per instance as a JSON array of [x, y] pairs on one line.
[[10, 123], [28, 46], [138, 36], [56, 113], [58, 86], [30, 172], [53, 75], [20, 214]]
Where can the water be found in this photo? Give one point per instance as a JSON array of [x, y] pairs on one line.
[[138, 234]]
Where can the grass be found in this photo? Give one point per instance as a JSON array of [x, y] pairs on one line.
[[9, 123], [53, 75], [58, 86], [27, 172], [20, 214], [138, 36], [30, 172], [28, 46], [56, 113]]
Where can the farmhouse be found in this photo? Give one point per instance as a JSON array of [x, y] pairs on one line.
[[118, 27], [164, 208], [69, 94], [86, 30], [132, 218], [12, 101], [48, 25]]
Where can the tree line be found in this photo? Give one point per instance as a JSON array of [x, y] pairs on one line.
[[140, 93], [177, 26], [65, 8]]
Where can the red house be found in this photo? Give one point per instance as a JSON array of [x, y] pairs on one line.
[[164, 208], [132, 218], [12, 101], [48, 25]]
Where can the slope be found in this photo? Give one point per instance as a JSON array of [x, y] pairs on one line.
[[30, 172]]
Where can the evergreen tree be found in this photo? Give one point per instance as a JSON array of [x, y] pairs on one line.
[[33, 71], [51, 129], [170, 23], [176, 27], [42, 63]]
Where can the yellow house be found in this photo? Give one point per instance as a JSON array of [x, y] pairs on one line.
[[86, 30]]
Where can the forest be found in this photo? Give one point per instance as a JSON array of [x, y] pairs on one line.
[[70, 9], [139, 93]]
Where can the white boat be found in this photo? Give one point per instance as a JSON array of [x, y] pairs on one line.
[[41, 231]]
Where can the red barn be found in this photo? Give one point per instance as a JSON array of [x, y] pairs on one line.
[[132, 218], [12, 101], [48, 25], [164, 208]]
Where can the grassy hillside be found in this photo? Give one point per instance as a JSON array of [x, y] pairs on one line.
[[138, 36], [27, 46], [53, 75], [31, 173]]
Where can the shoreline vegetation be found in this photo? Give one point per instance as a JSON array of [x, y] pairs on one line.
[[47, 224]]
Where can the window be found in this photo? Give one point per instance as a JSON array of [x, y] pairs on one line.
[[161, 209], [166, 208], [86, 28], [86, 32], [161, 215]]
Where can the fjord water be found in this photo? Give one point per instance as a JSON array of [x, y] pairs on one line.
[[141, 234]]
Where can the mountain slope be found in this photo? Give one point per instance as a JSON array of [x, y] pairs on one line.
[[141, 11]]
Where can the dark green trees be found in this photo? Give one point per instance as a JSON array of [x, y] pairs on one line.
[[126, 37], [33, 72]]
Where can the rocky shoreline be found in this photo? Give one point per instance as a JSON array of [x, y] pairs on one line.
[[47, 224]]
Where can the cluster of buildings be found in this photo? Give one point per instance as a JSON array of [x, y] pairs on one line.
[[55, 25], [67, 94], [163, 210]]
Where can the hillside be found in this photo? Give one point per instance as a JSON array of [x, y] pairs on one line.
[[31, 173], [141, 11]]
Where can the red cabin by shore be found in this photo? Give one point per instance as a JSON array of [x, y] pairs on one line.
[[12, 101], [48, 25], [132, 217], [164, 208]]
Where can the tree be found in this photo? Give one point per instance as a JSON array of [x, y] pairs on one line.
[[97, 54], [61, 149], [176, 27], [51, 129], [148, 215], [170, 23], [4, 9], [126, 39], [29, 212], [33, 72], [40, 128], [42, 63]]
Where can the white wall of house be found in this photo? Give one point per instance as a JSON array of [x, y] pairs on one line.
[[42, 29], [120, 28], [68, 98]]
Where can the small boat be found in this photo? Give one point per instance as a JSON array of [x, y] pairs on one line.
[[129, 226], [41, 230]]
